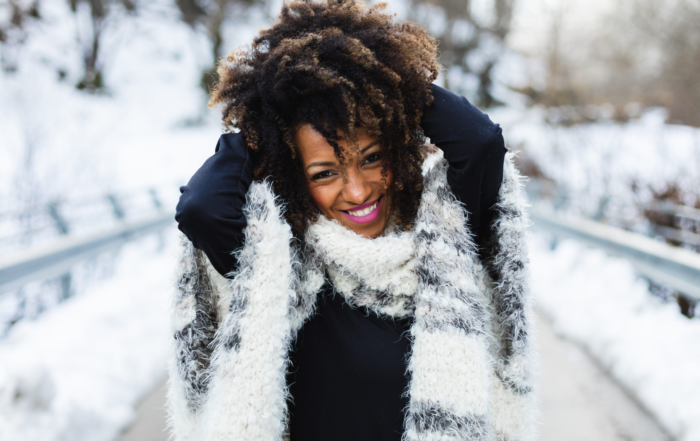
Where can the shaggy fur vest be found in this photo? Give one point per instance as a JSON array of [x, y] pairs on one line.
[[471, 363]]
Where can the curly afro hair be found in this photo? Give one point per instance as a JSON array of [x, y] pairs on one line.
[[337, 65]]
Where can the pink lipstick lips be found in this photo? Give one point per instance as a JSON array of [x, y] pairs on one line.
[[364, 213]]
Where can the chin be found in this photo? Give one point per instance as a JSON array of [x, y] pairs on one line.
[[371, 233]]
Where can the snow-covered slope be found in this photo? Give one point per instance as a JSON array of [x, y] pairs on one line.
[[150, 125], [606, 168], [76, 372]]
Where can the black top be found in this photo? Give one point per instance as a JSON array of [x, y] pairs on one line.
[[347, 375], [348, 365]]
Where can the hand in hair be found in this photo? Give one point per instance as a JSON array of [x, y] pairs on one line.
[[336, 65]]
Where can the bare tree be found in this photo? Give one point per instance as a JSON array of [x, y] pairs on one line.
[[211, 15], [13, 28], [640, 53], [471, 39], [95, 20], [674, 28]]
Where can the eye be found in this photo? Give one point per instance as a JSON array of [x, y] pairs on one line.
[[322, 175], [374, 157]]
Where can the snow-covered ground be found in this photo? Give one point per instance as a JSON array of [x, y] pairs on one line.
[[69, 143], [76, 372], [600, 302], [607, 169], [150, 126]]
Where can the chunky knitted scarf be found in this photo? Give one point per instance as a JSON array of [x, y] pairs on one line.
[[471, 361], [378, 274]]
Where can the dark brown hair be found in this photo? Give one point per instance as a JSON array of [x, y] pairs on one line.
[[336, 65]]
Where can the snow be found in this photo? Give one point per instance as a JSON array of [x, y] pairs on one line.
[[607, 169], [150, 126], [76, 372], [600, 302]]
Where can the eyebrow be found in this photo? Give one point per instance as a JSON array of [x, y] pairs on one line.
[[328, 163], [320, 164], [369, 146]]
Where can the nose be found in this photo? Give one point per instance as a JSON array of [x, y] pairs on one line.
[[357, 189]]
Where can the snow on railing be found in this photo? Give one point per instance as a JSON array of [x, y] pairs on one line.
[[50, 245], [38, 224], [58, 257], [678, 224], [672, 266]]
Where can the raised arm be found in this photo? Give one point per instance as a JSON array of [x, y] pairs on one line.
[[209, 212], [474, 147]]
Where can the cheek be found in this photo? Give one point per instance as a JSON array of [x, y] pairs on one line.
[[323, 198]]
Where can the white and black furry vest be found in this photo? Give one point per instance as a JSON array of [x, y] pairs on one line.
[[472, 362]]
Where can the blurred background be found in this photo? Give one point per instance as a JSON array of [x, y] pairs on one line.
[[103, 116]]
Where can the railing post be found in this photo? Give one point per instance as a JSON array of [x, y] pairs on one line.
[[117, 208], [63, 229], [687, 305], [58, 219], [157, 203], [66, 282]]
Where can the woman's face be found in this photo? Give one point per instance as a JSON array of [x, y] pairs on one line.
[[355, 194]]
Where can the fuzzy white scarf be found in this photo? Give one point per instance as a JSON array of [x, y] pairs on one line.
[[471, 362], [378, 274]]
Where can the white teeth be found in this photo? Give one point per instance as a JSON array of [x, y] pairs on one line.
[[364, 212]]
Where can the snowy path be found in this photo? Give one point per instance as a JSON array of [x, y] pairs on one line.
[[579, 401], [149, 424], [599, 302]]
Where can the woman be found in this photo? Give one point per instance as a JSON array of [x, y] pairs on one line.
[[336, 284]]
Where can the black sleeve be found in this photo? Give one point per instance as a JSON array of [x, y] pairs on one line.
[[210, 212], [474, 147]]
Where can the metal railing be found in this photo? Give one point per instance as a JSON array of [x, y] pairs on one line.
[[672, 266], [679, 224], [58, 257], [47, 243], [669, 219]]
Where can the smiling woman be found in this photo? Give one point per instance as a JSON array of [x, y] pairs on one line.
[[335, 66], [355, 192], [366, 300]]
